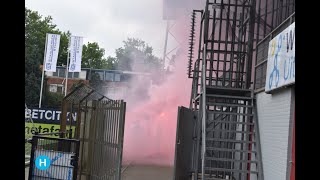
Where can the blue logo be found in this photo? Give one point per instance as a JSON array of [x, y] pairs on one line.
[[48, 66], [72, 67], [43, 162]]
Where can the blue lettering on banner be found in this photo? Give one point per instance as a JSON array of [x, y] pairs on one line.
[[48, 116], [281, 60], [275, 71]]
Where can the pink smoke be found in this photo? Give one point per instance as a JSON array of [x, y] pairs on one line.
[[150, 126]]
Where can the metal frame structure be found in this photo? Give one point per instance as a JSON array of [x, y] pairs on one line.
[[232, 35], [226, 144]]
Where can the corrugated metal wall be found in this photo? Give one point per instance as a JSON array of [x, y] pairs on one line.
[[275, 115]]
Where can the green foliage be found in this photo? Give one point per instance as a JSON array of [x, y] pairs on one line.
[[92, 57], [136, 55], [54, 99]]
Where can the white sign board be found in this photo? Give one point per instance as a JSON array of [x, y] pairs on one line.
[[60, 167], [52, 50], [281, 60], [76, 43]]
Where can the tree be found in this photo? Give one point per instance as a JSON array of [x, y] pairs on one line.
[[92, 57], [136, 55]]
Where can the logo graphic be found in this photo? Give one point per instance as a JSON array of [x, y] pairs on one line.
[[72, 67], [43, 162], [48, 66]]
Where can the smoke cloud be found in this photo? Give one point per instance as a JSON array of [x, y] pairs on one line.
[[151, 115]]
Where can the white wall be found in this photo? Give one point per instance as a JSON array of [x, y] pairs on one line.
[[274, 113]]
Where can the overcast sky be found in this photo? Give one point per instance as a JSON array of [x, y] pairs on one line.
[[108, 22]]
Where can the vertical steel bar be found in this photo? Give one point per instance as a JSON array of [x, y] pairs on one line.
[[212, 46], [252, 16], [219, 43], [244, 43], [273, 16], [196, 165], [265, 19], [203, 96], [280, 12], [63, 122], [226, 46], [121, 134], [233, 30]]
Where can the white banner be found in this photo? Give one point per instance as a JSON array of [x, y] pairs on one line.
[[52, 50], [281, 60], [76, 43]]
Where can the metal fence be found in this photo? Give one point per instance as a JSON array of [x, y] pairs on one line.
[[53, 158], [99, 127]]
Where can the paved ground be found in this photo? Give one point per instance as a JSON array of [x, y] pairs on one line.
[[140, 172], [145, 172]]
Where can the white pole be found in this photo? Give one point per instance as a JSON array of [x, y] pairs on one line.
[[67, 71], [44, 57]]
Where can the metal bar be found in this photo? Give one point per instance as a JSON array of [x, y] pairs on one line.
[[287, 9], [230, 140], [239, 49], [232, 170], [78, 120], [265, 19], [32, 159], [76, 166], [225, 45], [242, 60], [228, 4], [231, 97], [63, 121], [66, 71], [212, 46], [204, 62], [231, 160], [241, 53], [231, 150], [225, 104], [121, 133], [226, 41], [293, 6], [272, 16], [233, 29], [280, 10], [250, 44], [42, 77], [230, 122], [83, 137], [219, 39]]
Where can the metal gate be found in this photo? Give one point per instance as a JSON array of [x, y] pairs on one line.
[[184, 149], [54, 158], [99, 127]]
